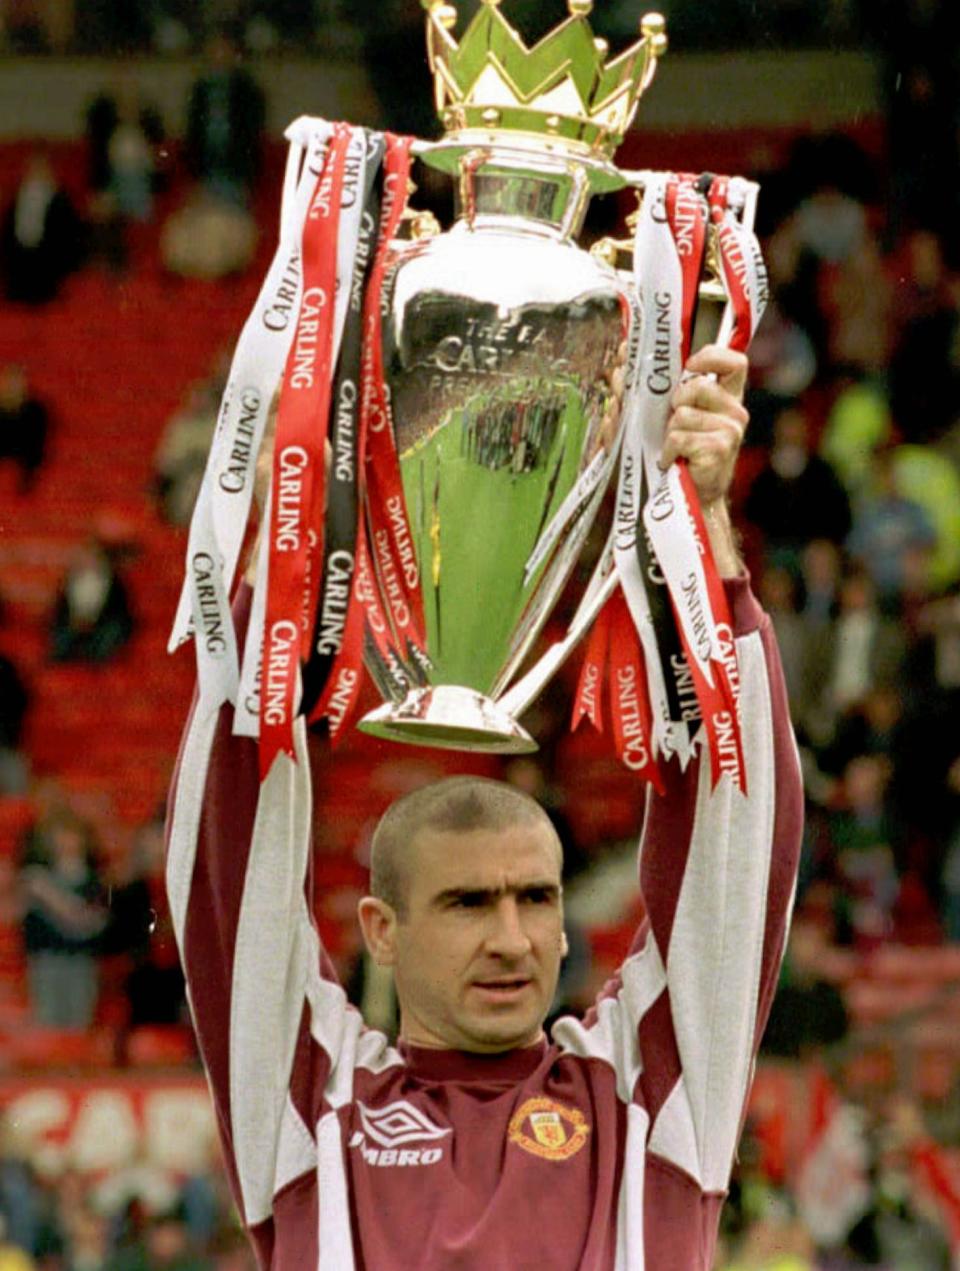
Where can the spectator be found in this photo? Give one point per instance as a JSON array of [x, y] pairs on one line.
[[21, 1199], [924, 371], [919, 41], [821, 567], [950, 876], [14, 699], [123, 136], [164, 1246], [796, 497], [40, 236], [225, 120], [808, 1010], [87, 1239], [778, 595], [859, 299], [181, 457], [140, 927], [92, 619], [892, 536], [24, 421], [859, 649], [858, 423], [862, 847], [13, 1257], [940, 620], [208, 237], [64, 918], [24, 28], [830, 224], [783, 365], [927, 476]]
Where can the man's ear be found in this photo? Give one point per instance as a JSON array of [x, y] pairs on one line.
[[564, 944], [378, 922]]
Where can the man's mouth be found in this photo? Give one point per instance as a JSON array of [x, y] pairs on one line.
[[502, 988]]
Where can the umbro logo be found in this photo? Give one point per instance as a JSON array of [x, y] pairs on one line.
[[395, 1128]]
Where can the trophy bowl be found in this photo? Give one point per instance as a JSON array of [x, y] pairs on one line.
[[503, 347]]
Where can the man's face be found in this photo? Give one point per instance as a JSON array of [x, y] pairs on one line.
[[476, 953]]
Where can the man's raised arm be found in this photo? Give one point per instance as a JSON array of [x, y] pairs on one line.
[[682, 1020], [276, 1034]]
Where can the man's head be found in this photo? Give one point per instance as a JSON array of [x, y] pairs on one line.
[[466, 908]]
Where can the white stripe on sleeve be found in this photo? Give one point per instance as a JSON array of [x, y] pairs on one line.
[[630, 1231], [296, 1151], [271, 967], [716, 944], [187, 807], [334, 1236], [613, 1035]]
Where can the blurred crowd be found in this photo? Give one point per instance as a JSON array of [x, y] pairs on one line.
[[137, 1219], [848, 498], [175, 26]]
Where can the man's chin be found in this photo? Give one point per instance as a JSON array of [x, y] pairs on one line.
[[485, 1035]]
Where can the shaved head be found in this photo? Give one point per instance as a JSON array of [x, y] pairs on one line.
[[458, 804]]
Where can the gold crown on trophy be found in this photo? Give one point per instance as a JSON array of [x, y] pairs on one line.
[[563, 87]]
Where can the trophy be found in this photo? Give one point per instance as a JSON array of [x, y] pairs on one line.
[[504, 346], [452, 406]]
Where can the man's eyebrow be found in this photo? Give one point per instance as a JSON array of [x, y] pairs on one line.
[[549, 885]]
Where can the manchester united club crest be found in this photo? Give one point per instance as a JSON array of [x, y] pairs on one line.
[[549, 1129]]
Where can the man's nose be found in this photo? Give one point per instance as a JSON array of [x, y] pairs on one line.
[[507, 937]]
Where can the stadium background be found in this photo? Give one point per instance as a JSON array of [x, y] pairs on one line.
[[127, 278]]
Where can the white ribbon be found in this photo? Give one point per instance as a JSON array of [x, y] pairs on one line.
[[223, 504], [668, 736]]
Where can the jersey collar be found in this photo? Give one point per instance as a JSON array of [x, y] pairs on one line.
[[460, 1065]]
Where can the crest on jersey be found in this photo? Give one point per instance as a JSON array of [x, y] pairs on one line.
[[549, 1129], [398, 1123]]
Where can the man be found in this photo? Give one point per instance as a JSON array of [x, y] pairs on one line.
[[478, 1142]]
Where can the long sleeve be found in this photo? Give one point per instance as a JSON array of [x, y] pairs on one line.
[[718, 872], [277, 1036], [681, 1022]]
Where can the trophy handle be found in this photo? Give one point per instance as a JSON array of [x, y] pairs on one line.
[[601, 587]]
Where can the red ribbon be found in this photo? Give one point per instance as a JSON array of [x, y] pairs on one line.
[[590, 686], [614, 635], [734, 266], [339, 700], [295, 544], [688, 226], [391, 541], [629, 699]]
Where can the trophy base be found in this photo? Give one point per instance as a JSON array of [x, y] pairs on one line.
[[449, 717]]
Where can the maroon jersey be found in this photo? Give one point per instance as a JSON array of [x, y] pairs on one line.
[[609, 1146]]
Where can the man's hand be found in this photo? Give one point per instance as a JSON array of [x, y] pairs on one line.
[[706, 428], [708, 420]]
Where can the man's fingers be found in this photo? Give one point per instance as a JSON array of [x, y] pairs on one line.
[[696, 446], [729, 366], [694, 419], [710, 395]]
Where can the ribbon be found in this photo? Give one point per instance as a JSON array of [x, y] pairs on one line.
[[338, 701], [589, 695], [391, 541], [332, 580], [670, 584], [298, 461], [629, 703], [673, 223], [220, 516]]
